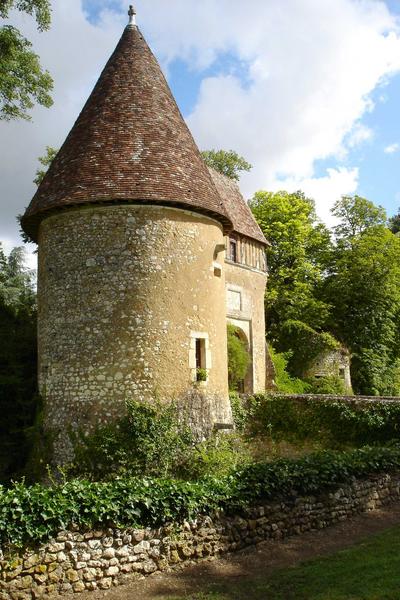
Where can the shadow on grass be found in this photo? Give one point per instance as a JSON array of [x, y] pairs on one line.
[[368, 571]]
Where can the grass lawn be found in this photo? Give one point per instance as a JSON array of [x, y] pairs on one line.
[[367, 571]]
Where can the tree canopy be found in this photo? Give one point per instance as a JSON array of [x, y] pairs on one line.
[[394, 223], [363, 286], [296, 258], [45, 161], [296, 314], [356, 215], [324, 291], [18, 361], [227, 162], [23, 82]]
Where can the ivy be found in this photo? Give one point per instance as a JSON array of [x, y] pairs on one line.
[[33, 514]]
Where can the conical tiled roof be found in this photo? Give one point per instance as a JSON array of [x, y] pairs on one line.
[[129, 144]]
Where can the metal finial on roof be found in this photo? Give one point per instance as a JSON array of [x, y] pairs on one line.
[[132, 16]]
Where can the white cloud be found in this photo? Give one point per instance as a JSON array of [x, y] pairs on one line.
[[358, 135], [392, 148], [312, 66], [324, 190], [74, 51]]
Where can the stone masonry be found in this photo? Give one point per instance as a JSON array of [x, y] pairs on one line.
[[132, 229], [97, 560], [111, 324]]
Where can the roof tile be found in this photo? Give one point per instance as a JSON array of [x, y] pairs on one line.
[[129, 144], [237, 208]]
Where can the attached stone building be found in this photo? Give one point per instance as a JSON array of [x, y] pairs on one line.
[[134, 281], [330, 363]]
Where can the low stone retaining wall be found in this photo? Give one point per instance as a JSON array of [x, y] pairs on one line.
[[97, 560]]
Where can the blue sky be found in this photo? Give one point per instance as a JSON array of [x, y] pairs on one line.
[[307, 91], [378, 169]]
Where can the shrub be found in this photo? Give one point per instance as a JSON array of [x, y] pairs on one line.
[[283, 380], [218, 455], [34, 514], [151, 439], [334, 422], [331, 384]]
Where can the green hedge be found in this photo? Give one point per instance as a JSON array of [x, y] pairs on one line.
[[334, 422], [33, 514]]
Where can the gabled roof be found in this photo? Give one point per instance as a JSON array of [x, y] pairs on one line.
[[237, 208], [129, 144]]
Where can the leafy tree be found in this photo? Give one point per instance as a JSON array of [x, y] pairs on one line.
[[45, 161], [227, 162], [296, 260], [356, 215], [363, 287], [16, 281], [394, 223], [17, 361], [22, 80]]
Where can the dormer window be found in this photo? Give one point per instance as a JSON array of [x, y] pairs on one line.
[[232, 250]]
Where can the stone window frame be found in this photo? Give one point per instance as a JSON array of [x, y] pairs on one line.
[[199, 335]]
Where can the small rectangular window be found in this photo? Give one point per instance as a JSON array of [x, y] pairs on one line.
[[200, 358], [233, 250]]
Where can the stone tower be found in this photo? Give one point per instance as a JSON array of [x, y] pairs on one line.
[[129, 226]]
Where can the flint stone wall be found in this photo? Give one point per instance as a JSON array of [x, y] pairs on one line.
[[97, 560], [122, 291]]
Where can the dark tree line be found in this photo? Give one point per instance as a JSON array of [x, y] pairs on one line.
[[18, 362]]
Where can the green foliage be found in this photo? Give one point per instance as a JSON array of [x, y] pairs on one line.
[[22, 80], [306, 344], [39, 9], [16, 281], [149, 440], [333, 422], [242, 410], [201, 374], [18, 362], [216, 456], [45, 161], [227, 162], [295, 313], [356, 216], [394, 223], [30, 514], [330, 384], [299, 249], [238, 357], [363, 286], [284, 381]]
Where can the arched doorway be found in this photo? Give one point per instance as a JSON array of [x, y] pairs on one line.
[[243, 385]]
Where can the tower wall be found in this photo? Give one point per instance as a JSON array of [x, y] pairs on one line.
[[123, 293]]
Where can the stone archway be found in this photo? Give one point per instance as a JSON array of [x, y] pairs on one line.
[[246, 384]]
